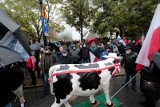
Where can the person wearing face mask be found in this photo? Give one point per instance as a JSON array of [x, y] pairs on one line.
[[132, 44], [65, 58], [93, 48], [46, 62], [84, 54], [98, 52], [74, 54], [129, 64]]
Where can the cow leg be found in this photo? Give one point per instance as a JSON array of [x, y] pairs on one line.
[[55, 104], [67, 104], [94, 103], [62, 101], [105, 87]]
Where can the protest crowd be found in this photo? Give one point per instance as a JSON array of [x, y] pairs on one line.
[[71, 52], [38, 64]]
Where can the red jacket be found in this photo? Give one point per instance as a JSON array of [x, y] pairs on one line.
[[30, 63]]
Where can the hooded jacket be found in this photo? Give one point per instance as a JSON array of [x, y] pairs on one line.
[[129, 62]]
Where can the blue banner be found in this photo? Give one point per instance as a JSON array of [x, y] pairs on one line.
[[45, 26]]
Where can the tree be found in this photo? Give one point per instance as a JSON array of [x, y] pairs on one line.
[[103, 18], [127, 15], [139, 14], [77, 13]]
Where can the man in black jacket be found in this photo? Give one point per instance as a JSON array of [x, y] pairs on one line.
[[129, 64], [65, 58], [84, 54], [11, 77], [150, 81]]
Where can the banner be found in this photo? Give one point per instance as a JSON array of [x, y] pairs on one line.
[[45, 26]]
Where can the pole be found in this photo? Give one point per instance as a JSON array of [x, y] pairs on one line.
[[44, 37], [81, 19], [44, 40]]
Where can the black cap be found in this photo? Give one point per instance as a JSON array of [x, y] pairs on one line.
[[129, 47], [47, 47]]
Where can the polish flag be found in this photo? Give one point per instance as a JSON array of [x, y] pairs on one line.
[[151, 43], [93, 58]]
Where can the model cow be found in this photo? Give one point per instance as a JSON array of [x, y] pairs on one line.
[[82, 80]]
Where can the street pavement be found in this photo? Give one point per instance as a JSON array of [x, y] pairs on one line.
[[126, 96]]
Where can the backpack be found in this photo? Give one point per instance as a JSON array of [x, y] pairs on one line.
[[30, 63]]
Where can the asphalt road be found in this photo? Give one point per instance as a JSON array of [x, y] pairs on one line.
[[126, 96]]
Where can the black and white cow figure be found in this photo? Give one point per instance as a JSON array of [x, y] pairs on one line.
[[82, 80]]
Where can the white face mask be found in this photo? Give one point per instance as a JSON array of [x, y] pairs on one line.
[[74, 48], [128, 51], [84, 46], [64, 54], [93, 45], [42, 50], [47, 51]]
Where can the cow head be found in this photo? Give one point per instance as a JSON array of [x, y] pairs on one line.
[[114, 59]]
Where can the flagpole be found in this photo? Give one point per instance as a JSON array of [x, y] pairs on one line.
[[44, 37]]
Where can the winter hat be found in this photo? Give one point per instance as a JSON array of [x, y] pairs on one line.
[[47, 47], [129, 47]]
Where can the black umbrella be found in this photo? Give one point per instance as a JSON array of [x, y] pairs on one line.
[[7, 24], [156, 58], [35, 46], [114, 40], [8, 56]]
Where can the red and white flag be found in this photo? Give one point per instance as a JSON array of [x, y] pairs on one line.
[[151, 43], [93, 58]]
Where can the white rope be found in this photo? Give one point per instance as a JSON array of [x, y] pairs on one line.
[[123, 86]]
